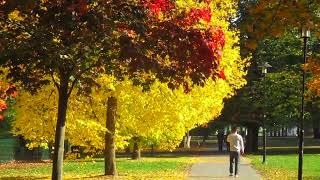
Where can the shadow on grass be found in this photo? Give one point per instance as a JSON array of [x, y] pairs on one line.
[[159, 155], [128, 158], [24, 177]]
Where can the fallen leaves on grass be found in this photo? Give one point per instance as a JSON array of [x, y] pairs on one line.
[[23, 164]]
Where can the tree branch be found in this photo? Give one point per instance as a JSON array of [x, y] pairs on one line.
[[275, 14], [94, 113], [78, 75], [72, 86], [54, 80]]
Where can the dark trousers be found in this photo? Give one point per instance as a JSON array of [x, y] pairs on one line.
[[234, 161], [220, 144], [228, 147]]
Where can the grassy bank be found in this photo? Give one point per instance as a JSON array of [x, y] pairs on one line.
[[146, 168], [286, 166]]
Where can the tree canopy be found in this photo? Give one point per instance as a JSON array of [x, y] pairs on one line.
[[272, 18], [170, 114], [70, 43]]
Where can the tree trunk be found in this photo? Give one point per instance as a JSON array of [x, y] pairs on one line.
[[152, 150], [252, 139], [187, 140], [127, 150], [136, 154], [285, 131], [316, 133], [316, 129], [206, 134], [57, 166], [110, 154]]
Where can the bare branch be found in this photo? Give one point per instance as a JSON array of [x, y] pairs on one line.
[[94, 113], [54, 80], [72, 86]]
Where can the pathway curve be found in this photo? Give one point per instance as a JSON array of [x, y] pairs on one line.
[[217, 167]]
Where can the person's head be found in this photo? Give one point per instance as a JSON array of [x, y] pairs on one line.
[[234, 129]]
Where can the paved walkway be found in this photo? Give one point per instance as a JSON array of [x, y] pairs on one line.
[[217, 167]]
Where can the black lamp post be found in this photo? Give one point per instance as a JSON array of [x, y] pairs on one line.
[[264, 71], [305, 34]]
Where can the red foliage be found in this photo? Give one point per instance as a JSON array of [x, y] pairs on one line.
[[6, 91], [3, 105], [14, 94], [215, 40], [193, 52], [222, 75], [163, 6], [159, 6], [197, 14]]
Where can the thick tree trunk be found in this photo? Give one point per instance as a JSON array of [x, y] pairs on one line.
[[136, 153], [110, 153], [252, 139], [57, 166], [316, 133]]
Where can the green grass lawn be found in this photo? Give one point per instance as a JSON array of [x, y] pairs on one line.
[[146, 168], [286, 166]]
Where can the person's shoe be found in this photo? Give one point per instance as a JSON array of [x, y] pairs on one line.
[[231, 174], [236, 176]]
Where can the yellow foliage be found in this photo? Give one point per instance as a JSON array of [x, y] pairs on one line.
[[160, 116], [16, 16]]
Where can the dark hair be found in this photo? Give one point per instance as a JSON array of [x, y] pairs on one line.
[[234, 129]]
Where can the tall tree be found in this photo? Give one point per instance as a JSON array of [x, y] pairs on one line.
[[59, 39], [72, 41]]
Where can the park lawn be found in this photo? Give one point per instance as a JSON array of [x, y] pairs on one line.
[[146, 168], [286, 166]]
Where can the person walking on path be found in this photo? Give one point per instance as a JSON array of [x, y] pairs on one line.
[[236, 149], [220, 137]]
